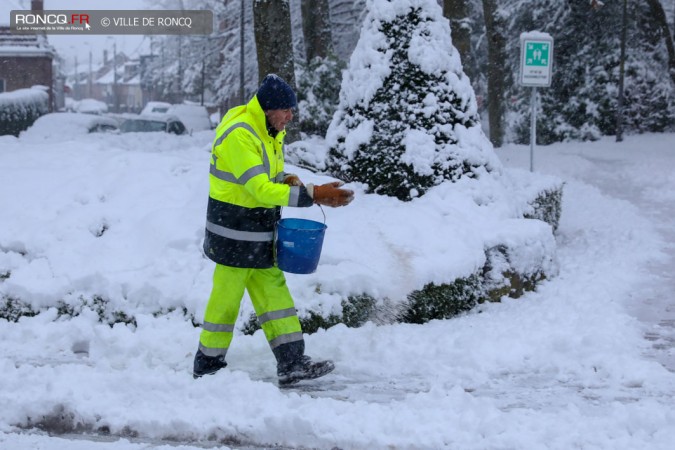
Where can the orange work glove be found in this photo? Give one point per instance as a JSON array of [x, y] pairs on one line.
[[292, 180], [330, 194]]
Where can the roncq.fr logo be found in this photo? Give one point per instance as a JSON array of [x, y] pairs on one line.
[[52, 19]]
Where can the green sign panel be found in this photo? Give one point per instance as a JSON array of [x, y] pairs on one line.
[[536, 59], [537, 54]]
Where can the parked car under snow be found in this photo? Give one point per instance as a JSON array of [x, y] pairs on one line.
[[195, 117], [90, 106], [62, 126], [156, 108], [152, 122]]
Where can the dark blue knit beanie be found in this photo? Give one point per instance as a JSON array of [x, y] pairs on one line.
[[275, 93]]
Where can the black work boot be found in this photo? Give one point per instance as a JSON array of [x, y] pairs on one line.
[[303, 368], [207, 365]]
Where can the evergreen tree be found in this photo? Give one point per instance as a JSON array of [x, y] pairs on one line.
[[407, 119], [318, 93], [650, 93]]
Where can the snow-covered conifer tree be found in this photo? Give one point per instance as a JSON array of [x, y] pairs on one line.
[[407, 118], [318, 89]]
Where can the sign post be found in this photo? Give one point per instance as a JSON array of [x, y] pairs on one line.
[[536, 70]]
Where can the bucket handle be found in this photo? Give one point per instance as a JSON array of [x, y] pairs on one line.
[[322, 212]]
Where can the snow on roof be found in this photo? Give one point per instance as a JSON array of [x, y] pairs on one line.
[[19, 44], [109, 77], [12, 50], [133, 80]]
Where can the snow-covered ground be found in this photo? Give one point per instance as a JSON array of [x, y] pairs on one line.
[[577, 364]]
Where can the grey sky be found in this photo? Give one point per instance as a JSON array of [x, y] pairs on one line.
[[79, 46]]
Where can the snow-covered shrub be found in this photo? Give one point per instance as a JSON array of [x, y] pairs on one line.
[[516, 260], [547, 206], [356, 311], [12, 309], [20, 108], [318, 94], [524, 255], [517, 255], [442, 301], [500, 279], [407, 118]]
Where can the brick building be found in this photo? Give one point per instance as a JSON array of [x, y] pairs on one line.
[[25, 59]]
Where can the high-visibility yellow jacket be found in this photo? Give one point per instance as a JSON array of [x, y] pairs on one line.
[[246, 189]]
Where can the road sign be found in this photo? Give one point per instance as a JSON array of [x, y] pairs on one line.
[[536, 68], [536, 59]]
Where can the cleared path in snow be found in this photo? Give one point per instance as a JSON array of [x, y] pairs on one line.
[[655, 197], [643, 176]]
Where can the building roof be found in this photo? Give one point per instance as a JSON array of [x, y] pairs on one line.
[[136, 79], [24, 44], [20, 44]]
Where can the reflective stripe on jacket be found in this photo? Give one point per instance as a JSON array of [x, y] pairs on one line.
[[246, 190]]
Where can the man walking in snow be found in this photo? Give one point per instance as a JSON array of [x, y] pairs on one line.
[[248, 187]]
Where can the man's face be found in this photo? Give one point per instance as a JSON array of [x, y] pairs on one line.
[[279, 118]]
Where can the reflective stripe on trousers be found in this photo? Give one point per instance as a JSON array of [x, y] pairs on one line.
[[271, 300]]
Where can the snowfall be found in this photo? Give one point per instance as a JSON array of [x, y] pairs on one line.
[[585, 361]]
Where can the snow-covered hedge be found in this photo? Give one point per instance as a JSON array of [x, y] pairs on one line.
[[517, 257], [104, 242], [20, 108], [525, 256]]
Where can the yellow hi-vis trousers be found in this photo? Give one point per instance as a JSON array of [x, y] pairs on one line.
[[271, 300]]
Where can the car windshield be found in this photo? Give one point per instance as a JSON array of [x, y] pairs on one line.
[[142, 125], [102, 127]]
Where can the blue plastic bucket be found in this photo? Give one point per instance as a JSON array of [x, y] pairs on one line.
[[299, 243]]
